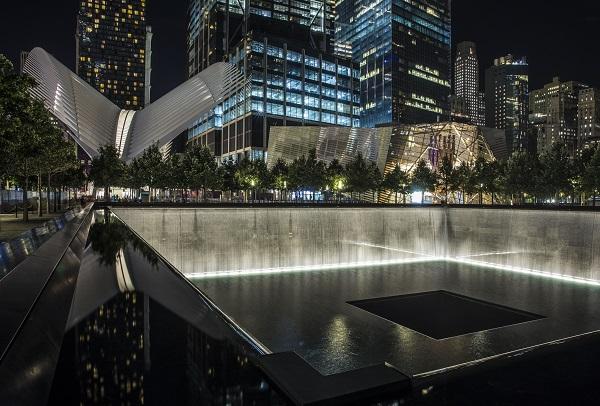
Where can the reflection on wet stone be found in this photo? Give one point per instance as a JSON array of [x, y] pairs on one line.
[[130, 349]]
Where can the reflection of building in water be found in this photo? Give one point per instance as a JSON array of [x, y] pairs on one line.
[[219, 374], [110, 351]]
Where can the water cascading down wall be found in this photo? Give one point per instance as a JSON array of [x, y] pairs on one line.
[[211, 240]]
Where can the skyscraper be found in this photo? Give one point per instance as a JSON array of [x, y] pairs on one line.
[[589, 117], [113, 50], [507, 100], [553, 114], [466, 82], [217, 26], [403, 49], [284, 50]]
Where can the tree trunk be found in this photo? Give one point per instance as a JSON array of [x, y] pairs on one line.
[[492, 198], [395, 198], [48, 195], [25, 201], [422, 197], [403, 198], [107, 193], [39, 190]]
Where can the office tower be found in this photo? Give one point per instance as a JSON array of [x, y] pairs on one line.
[[466, 82], [403, 49], [589, 117], [215, 26], [553, 114], [507, 99], [113, 50], [294, 78]]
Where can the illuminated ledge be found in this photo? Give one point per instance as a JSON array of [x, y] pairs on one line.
[[352, 265]]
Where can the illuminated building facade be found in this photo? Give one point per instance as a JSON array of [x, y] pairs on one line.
[[403, 50], [113, 45], [403, 145], [466, 84], [589, 117], [507, 100], [553, 114], [293, 78], [215, 27]]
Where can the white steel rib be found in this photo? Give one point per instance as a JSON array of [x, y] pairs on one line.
[[94, 121]]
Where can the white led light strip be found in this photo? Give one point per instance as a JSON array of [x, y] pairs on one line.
[[423, 259]]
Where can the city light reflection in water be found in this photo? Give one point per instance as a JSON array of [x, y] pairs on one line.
[[127, 346]]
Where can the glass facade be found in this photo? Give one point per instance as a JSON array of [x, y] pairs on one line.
[[285, 87], [283, 49], [216, 26], [507, 100], [113, 50], [403, 49], [403, 145]]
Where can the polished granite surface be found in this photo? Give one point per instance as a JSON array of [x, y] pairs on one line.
[[307, 312]]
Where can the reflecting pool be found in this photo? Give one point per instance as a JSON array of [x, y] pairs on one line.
[[142, 331]]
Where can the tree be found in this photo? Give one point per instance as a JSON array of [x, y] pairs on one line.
[[73, 178], [58, 156], [591, 176], [297, 174], [335, 177], [315, 172], [557, 172], [227, 173], [375, 179], [107, 169], [423, 179], [581, 161], [357, 175], [490, 178], [152, 169], [397, 181], [521, 174], [306, 173], [279, 174], [29, 145], [447, 175], [133, 177], [15, 104], [174, 177], [253, 175], [478, 174], [200, 169]]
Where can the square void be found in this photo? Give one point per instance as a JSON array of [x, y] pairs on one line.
[[442, 314]]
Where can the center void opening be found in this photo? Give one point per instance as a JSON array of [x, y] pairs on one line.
[[441, 314]]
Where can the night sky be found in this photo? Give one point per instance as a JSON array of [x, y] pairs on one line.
[[559, 38]]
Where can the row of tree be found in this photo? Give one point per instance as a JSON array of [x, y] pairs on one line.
[[553, 176], [33, 148]]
